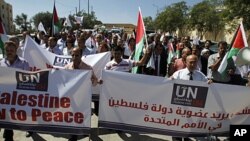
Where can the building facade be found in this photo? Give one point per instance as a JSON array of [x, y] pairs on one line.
[[6, 13]]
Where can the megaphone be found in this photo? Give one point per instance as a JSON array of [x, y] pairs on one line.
[[243, 57]]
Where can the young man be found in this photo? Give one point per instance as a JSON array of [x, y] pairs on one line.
[[124, 65]]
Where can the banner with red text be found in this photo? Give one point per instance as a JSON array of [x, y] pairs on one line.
[[40, 58], [46, 101], [149, 104]]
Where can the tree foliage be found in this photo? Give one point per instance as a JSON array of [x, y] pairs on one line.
[[89, 21], [172, 18], [45, 18], [22, 21], [149, 23], [236, 9], [205, 17]]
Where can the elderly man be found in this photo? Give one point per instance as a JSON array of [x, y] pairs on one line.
[[189, 73]]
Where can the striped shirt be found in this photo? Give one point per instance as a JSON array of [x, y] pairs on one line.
[[125, 65]]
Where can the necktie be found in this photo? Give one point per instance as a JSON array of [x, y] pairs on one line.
[[157, 65], [191, 76]]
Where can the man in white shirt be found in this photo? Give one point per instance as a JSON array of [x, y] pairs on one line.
[[189, 73], [62, 41], [124, 65]]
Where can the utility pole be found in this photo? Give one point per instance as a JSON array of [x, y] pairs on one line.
[[79, 6], [76, 10], [88, 7], [157, 8]]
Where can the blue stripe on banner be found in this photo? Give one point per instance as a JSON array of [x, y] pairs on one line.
[[151, 130], [47, 128]]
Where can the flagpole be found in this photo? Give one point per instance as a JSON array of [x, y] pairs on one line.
[[222, 67], [52, 27], [231, 52], [145, 34], [244, 33]]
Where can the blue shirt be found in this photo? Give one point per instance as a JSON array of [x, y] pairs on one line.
[[55, 50], [19, 63]]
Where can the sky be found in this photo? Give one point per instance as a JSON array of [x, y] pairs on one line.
[[107, 11]]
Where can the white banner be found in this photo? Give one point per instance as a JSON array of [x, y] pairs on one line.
[[179, 108], [40, 58], [46, 101]]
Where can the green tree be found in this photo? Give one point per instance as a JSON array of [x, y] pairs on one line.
[[172, 18], [149, 23], [237, 9], [22, 21], [204, 17], [45, 18]]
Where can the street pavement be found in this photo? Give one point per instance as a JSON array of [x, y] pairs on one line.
[[97, 134]]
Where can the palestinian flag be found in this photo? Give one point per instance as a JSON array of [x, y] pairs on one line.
[[171, 52], [239, 41], [140, 37], [2, 34], [56, 25]]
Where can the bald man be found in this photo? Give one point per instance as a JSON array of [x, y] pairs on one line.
[[190, 72]]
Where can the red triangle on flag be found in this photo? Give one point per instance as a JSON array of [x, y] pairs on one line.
[[55, 16], [238, 42], [140, 28]]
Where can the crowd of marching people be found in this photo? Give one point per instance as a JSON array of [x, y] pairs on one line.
[[173, 57]]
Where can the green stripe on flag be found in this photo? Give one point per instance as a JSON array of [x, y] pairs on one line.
[[233, 52], [138, 51], [2, 46]]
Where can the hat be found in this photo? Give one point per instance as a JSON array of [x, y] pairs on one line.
[[204, 51]]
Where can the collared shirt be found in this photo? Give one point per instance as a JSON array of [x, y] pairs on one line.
[[90, 43], [61, 44], [67, 51], [19, 63], [55, 50], [215, 75], [125, 65], [184, 74]]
